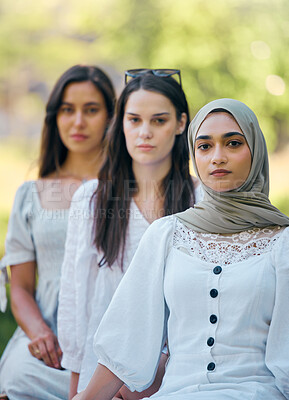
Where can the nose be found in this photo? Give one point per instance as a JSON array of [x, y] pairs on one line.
[[145, 131], [219, 155], [79, 120]]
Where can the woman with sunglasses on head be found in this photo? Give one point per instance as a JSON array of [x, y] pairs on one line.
[[212, 280], [77, 115], [145, 176]]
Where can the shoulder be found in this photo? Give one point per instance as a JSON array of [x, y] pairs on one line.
[[283, 239], [163, 223], [280, 253], [84, 193], [280, 256], [24, 194], [25, 188], [161, 230]]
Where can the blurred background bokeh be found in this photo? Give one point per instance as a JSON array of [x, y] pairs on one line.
[[224, 48]]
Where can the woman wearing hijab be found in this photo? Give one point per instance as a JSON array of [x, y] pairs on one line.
[[212, 281]]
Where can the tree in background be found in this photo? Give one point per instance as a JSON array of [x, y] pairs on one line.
[[228, 48]]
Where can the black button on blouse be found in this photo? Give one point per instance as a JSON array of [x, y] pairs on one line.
[[211, 366], [217, 270], [214, 293], [210, 341], [213, 319]]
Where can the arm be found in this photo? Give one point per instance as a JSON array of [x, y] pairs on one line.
[[103, 385], [134, 354], [44, 344], [73, 384], [76, 274], [66, 315], [277, 344], [128, 395]]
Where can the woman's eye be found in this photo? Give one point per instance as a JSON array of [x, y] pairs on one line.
[[159, 121], [235, 143], [134, 120], [204, 146], [91, 110], [66, 110]]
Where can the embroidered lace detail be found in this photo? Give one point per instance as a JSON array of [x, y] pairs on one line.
[[225, 249]]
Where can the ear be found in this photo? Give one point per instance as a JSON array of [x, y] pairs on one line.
[[181, 124]]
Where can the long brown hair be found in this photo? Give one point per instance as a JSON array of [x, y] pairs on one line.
[[52, 151], [116, 178]]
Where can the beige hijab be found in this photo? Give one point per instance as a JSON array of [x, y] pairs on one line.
[[247, 206]]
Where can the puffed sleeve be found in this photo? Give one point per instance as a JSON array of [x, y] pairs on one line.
[[132, 332], [277, 348], [75, 275], [19, 246]]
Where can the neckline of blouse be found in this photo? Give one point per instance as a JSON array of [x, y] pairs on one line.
[[38, 201]]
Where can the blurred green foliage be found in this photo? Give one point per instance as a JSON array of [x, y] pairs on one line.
[[3, 229], [283, 204], [225, 48], [7, 322], [8, 325]]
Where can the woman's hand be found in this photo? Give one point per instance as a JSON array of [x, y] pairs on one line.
[[45, 347], [44, 344]]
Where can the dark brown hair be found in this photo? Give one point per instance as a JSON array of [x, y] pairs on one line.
[[52, 151], [116, 179]]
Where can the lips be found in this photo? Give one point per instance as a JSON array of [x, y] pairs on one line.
[[79, 137], [145, 147], [220, 172]]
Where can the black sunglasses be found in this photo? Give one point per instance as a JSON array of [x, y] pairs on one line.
[[163, 73]]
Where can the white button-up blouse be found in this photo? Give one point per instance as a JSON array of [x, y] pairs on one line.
[[220, 301]]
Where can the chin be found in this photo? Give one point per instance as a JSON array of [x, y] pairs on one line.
[[219, 189], [225, 190]]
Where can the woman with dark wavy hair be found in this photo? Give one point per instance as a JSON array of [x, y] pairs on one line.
[[145, 175], [78, 112]]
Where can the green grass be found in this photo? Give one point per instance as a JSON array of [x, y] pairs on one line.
[[7, 321], [8, 325]]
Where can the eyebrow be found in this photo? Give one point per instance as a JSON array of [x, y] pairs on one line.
[[225, 136], [90, 103], [154, 115]]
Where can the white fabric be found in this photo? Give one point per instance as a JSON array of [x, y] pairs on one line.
[[225, 249], [86, 290], [34, 234], [167, 290], [3, 297]]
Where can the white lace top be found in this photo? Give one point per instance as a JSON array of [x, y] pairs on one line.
[[221, 301], [85, 289], [225, 249]]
